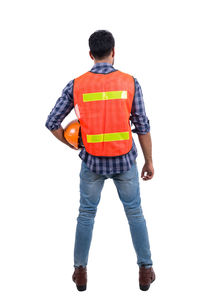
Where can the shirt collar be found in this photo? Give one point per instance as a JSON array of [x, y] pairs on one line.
[[102, 65]]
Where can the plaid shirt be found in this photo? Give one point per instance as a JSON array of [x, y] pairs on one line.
[[98, 164]]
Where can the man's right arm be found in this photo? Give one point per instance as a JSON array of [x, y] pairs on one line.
[[61, 109]]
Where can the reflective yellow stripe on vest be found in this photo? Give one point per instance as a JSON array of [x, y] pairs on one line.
[[104, 96], [107, 137]]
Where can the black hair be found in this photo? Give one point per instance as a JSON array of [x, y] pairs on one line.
[[101, 43]]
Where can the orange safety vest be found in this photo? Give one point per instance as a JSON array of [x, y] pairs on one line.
[[103, 105]]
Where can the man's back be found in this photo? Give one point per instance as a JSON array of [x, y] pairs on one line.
[[103, 104]]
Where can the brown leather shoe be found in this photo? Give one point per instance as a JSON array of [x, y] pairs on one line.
[[80, 278], [146, 277]]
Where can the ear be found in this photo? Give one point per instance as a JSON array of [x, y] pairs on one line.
[[113, 52], [90, 54]]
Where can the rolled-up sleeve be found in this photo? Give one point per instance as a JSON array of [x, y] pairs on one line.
[[138, 115], [62, 108]]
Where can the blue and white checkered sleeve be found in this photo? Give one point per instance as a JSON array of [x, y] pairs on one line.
[[62, 108], [138, 115]]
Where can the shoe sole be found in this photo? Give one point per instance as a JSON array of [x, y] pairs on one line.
[[81, 288]]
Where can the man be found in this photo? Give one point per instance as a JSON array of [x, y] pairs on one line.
[[105, 99]]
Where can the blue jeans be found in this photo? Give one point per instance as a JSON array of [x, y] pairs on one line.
[[127, 184]]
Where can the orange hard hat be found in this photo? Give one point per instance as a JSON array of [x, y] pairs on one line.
[[72, 133]]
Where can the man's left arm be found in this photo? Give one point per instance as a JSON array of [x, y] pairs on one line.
[[142, 128]]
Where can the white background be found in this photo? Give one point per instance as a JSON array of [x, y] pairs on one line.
[[44, 44]]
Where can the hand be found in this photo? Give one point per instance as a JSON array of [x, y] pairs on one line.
[[59, 134], [147, 171]]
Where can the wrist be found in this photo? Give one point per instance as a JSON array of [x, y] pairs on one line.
[[148, 161]]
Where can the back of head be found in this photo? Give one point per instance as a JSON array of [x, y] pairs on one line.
[[101, 43]]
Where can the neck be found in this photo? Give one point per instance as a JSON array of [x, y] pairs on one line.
[[109, 61]]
